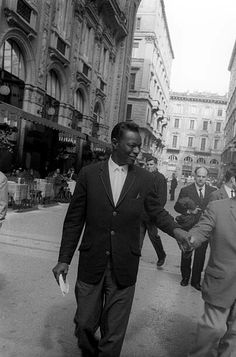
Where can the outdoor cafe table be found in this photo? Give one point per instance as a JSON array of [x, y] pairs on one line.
[[17, 191]]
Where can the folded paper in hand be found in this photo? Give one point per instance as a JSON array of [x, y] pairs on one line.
[[63, 285]]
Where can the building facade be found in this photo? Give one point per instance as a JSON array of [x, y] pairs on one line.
[[64, 76], [229, 151], [149, 84], [195, 134]]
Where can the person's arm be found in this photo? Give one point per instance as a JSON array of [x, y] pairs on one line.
[[3, 197], [201, 232], [72, 228], [160, 185]]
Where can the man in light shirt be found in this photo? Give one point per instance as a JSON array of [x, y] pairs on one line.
[[109, 200]]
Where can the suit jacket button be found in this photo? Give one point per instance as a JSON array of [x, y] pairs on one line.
[[114, 213], [107, 252], [112, 233]]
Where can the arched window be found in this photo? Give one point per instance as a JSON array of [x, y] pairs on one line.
[[79, 101], [201, 160], [188, 159], [173, 158], [11, 59], [53, 85], [97, 114], [214, 162]]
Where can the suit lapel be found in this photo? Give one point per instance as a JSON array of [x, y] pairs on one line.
[[104, 175], [233, 207], [129, 181]]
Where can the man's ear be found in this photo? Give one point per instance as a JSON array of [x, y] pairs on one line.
[[114, 142]]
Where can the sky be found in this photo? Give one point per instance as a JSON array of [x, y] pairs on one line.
[[202, 34]]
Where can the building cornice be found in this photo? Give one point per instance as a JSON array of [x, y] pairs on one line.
[[200, 97]]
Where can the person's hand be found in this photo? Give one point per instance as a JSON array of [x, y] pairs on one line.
[[183, 239], [194, 211], [60, 268], [194, 243]]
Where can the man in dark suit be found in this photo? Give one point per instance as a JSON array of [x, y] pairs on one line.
[[173, 185], [199, 193], [227, 189], [161, 190], [108, 203]]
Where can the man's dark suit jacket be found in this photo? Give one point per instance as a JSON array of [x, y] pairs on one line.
[[160, 186], [191, 192], [110, 228]]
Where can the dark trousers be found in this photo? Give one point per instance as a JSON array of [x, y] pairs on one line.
[[103, 305], [172, 194], [198, 264], [154, 238]]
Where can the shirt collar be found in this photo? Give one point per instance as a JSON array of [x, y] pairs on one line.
[[203, 188], [114, 166]]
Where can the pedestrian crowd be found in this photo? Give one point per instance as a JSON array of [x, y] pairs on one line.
[[114, 204]]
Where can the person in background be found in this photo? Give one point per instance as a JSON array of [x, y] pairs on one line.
[[199, 193], [108, 201], [216, 332], [227, 189], [173, 185], [3, 197], [160, 185]]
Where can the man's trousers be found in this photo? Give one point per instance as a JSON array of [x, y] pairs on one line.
[[198, 264], [104, 305]]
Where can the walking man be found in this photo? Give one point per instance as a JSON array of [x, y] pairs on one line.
[[173, 185], [199, 193], [160, 185], [109, 199], [3, 197], [216, 333]]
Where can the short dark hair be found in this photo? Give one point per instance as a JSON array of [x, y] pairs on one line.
[[120, 128], [201, 167], [229, 173], [151, 158]]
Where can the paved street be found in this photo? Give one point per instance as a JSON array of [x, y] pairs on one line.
[[37, 321]]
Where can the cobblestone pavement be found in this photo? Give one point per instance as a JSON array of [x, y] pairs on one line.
[[36, 321]]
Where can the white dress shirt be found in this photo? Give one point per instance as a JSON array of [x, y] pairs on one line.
[[117, 176], [203, 188], [229, 191]]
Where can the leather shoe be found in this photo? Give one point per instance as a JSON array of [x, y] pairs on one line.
[[161, 261], [184, 282], [196, 286]]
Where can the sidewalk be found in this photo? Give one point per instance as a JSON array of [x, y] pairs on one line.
[[36, 321]]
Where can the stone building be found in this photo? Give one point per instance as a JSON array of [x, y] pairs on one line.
[[229, 151], [152, 57], [195, 134], [64, 72]]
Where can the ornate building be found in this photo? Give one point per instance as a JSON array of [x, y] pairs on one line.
[[150, 75], [64, 70], [195, 134], [229, 151]]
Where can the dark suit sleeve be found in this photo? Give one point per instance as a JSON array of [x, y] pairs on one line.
[[178, 206], [160, 185], [158, 215], [74, 220]]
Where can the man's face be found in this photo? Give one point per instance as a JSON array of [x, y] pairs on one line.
[[127, 148], [201, 177], [151, 166]]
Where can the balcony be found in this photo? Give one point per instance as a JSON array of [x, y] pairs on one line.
[[20, 14], [59, 49]]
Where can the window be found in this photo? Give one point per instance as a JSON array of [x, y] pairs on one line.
[[188, 159], [129, 112], [12, 59], [132, 81], [214, 162], [79, 101], [174, 141], [173, 158], [207, 111], [203, 144], [53, 85], [190, 141], [193, 109], [201, 160], [176, 125], [205, 125], [216, 142], [218, 127], [191, 124], [178, 108], [138, 23], [220, 112]]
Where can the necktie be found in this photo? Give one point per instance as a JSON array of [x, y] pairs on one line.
[[117, 186], [201, 195]]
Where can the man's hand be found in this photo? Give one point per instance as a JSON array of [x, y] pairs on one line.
[[60, 268], [183, 239], [194, 243]]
